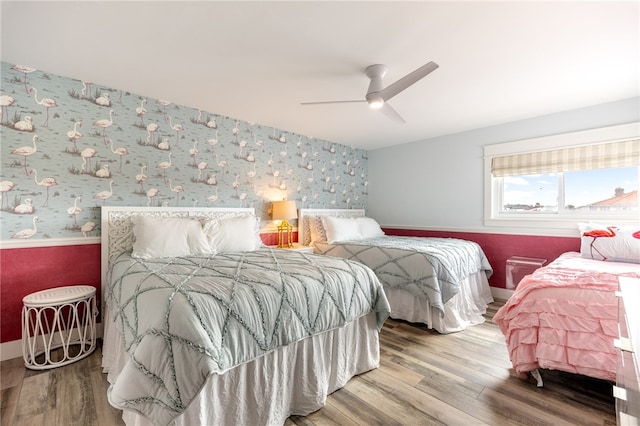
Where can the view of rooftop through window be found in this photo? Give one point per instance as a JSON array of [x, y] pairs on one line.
[[601, 189]]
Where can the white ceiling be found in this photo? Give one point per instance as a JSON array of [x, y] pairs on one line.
[[256, 61]]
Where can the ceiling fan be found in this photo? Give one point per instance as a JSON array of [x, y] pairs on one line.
[[377, 95]]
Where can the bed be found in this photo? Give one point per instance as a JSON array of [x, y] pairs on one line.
[[440, 282], [221, 329], [564, 316]]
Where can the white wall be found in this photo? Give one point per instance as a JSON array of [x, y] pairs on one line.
[[438, 183]]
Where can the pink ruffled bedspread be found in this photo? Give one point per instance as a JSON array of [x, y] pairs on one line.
[[565, 317]]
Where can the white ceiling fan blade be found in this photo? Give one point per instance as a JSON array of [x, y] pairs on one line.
[[406, 81], [391, 113], [331, 102]]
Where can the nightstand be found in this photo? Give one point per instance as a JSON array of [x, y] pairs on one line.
[[298, 247], [62, 317]]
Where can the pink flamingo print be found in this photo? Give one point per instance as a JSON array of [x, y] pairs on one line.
[[121, 151], [104, 195], [103, 172], [29, 232], [74, 135], [104, 123], [141, 177], [151, 194], [193, 152], [104, 100], [177, 127], [5, 102], [164, 106], [25, 125], [201, 167], [600, 233], [25, 71], [151, 130], [74, 211], [141, 111], [86, 89], [5, 187], [87, 228], [86, 156], [24, 208], [47, 182], [213, 198], [26, 151], [164, 166], [213, 142], [45, 102], [177, 189]]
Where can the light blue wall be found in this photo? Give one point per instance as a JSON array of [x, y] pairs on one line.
[[438, 183], [237, 163]]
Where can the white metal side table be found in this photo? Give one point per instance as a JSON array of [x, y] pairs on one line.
[[62, 317]]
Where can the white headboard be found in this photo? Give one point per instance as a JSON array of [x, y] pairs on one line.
[[304, 232], [117, 228]]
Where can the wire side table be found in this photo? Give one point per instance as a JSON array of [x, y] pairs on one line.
[[62, 317]]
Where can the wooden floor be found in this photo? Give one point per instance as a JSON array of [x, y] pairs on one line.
[[424, 379]]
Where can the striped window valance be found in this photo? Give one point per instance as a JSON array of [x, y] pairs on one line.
[[599, 156]]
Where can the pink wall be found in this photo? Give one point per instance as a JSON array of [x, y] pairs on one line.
[[499, 247], [27, 270]]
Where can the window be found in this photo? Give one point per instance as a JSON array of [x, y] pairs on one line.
[[557, 181]]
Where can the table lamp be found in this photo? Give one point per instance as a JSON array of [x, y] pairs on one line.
[[284, 210]]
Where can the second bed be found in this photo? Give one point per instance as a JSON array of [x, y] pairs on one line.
[[441, 282]]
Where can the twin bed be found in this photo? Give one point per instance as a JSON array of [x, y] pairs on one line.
[[441, 282], [565, 316], [218, 329]]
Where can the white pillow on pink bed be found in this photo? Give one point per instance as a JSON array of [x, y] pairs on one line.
[[167, 237], [610, 243]]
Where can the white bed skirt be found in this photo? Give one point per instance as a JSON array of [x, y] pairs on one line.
[[464, 309], [292, 380]]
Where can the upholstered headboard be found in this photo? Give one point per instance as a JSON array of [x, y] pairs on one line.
[[304, 215], [117, 227]]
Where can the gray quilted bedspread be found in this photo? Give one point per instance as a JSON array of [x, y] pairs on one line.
[[426, 267], [185, 318]]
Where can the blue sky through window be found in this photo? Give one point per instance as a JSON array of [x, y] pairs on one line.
[[581, 188]]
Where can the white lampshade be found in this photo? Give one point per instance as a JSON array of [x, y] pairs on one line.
[[284, 210]]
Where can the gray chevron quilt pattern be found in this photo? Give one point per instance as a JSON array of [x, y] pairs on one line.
[[187, 317], [426, 267]]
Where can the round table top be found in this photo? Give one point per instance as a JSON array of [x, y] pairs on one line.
[[58, 295]]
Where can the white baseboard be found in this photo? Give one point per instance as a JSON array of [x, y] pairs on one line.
[[501, 293], [10, 350]]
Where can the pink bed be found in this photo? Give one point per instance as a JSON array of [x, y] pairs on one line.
[[565, 317]]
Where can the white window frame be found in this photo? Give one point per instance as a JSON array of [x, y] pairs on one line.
[[551, 223]]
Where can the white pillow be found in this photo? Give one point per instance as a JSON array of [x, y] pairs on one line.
[[167, 237], [369, 228], [340, 228], [611, 243], [232, 235]]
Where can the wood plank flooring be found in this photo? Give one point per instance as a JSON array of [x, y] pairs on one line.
[[424, 379]]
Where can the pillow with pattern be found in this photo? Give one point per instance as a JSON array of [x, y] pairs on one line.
[[610, 242]]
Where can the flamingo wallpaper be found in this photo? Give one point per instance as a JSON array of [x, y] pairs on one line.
[[70, 146]]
